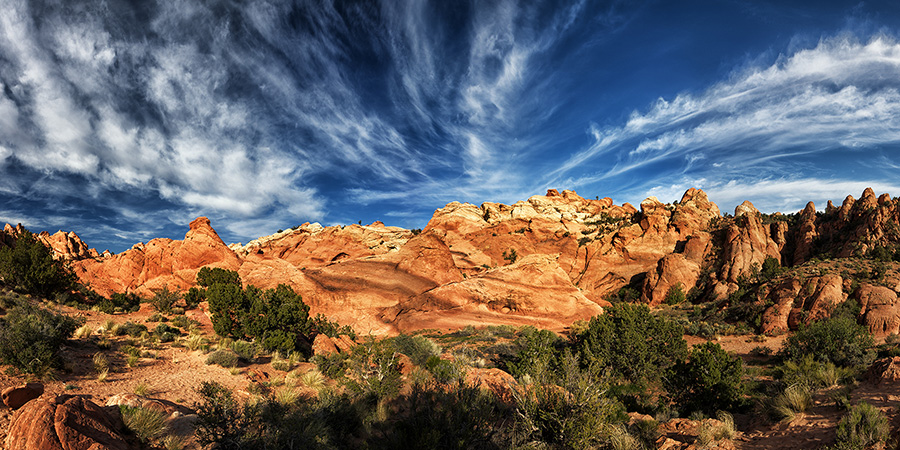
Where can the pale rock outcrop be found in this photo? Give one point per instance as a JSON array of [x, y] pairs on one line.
[[748, 242]]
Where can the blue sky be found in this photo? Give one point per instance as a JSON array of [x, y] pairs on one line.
[[124, 120]]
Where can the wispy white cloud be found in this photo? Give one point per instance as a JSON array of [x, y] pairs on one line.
[[840, 94]]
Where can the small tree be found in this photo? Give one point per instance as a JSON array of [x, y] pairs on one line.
[[164, 299]]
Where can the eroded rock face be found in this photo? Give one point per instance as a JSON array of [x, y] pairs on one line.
[[880, 309], [161, 263], [805, 301], [64, 423], [747, 244]]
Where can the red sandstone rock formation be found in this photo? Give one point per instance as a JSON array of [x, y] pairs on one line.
[[65, 423]]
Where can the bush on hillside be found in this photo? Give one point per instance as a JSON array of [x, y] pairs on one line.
[[709, 381], [120, 302], [207, 277], [29, 267], [537, 352], [164, 299], [277, 318], [30, 338], [632, 343], [839, 340]]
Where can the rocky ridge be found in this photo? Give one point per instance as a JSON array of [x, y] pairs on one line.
[[545, 261]]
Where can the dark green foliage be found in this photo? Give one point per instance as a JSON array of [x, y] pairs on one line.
[[675, 295], [771, 269], [130, 328], [29, 267], [537, 350], [626, 294], [228, 305], [839, 340], [207, 277], [223, 357], [166, 333], [117, 302], [862, 427], [419, 348], [511, 255], [278, 318], [193, 297], [320, 324], [164, 299], [632, 343], [332, 365], [30, 338], [709, 381]]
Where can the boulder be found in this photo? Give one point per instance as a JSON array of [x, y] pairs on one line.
[[880, 309], [138, 401], [16, 396], [64, 423], [885, 371]]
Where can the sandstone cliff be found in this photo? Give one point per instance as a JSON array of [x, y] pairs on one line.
[[546, 261]]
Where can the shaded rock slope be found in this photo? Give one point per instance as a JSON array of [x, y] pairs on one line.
[[546, 261]]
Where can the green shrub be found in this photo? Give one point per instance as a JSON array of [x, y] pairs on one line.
[[536, 352], [710, 380], [839, 340], [164, 299], [812, 373], [332, 365], [675, 295], [373, 369], [632, 343], [207, 277], [119, 302], [277, 318], [222, 420], [571, 411], [130, 328], [862, 427], [458, 416], [28, 266], [223, 357], [30, 338], [193, 297], [320, 324], [419, 348]]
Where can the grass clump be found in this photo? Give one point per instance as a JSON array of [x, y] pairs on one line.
[[793, 402], [147, 424]]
